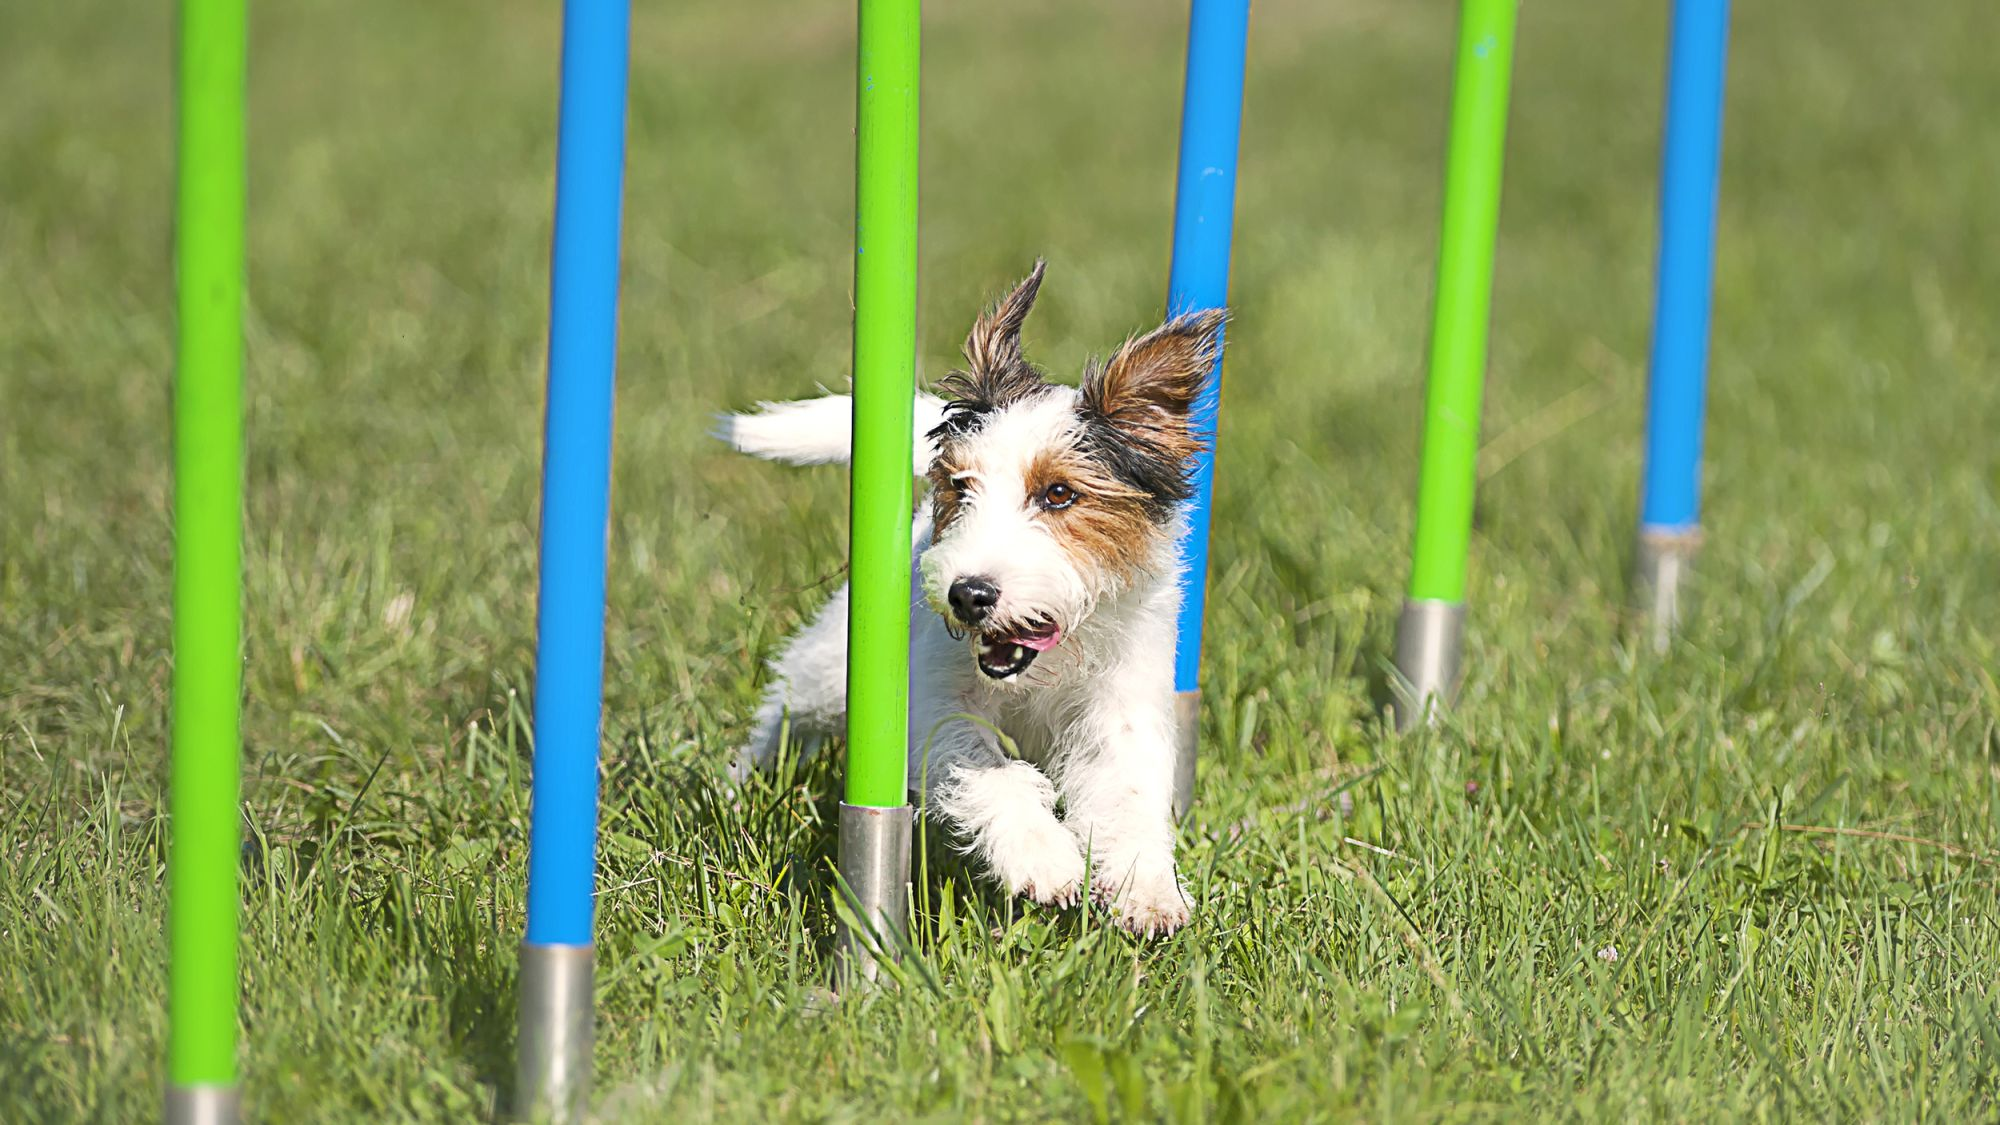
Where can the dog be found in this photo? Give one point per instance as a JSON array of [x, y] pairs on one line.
[[1047, 578]]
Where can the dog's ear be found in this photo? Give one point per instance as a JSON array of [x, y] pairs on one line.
[[993, 347], [1151, 382], [997, 375]]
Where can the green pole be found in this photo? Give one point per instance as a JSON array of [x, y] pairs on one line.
[[885, 356], [1429, 632], [208, 504], [875, 817]]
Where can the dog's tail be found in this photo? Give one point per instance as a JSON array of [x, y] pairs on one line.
[[818, 431]]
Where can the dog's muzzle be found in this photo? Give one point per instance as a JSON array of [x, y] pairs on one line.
[[1002, 651], [1005, 654]]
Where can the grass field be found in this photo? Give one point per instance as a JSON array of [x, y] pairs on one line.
[[1787, 830]]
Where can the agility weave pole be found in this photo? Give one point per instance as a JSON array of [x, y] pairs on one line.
[[208, 568], [875, 813], [1430, 630], [556, 1017], [1204, 213], [1690, 174]]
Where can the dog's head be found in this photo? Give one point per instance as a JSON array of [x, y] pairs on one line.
[[1046, 498]]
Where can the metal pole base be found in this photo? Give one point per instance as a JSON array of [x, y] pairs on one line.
[[1430, 637], [203, 1105], [552, 1078], [1187, 733], [875, 882], [1662, 570]]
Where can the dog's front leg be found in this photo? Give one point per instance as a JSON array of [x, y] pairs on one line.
[[1002, 809], [1118, 790]]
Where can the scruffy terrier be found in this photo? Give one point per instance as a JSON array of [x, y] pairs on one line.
[[1047, 578]]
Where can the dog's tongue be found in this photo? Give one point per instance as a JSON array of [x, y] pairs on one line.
[[1042, 640]]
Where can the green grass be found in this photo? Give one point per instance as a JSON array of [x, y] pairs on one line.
[[1425, 947]]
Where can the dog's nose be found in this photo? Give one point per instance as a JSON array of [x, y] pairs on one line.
[[973, 598]]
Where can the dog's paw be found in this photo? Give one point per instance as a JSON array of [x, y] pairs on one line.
[[1044, 866], [1144, 905], [1064, 896]]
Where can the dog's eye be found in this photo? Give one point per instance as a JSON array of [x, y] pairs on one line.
[[1058, 496]]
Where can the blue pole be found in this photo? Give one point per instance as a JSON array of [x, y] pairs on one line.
[[1204, 211], [556, 1018], [1690, 168]]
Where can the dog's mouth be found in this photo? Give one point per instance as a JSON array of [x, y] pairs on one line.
[[1005, 654]]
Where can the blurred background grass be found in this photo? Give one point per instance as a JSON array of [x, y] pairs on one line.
[[1841, 673]]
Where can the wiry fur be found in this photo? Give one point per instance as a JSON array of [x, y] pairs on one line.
[[1093, 715]]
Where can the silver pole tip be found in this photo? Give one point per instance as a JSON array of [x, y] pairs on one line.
[[1187, 733], [203, 1105], [875, 887], [1430, 641], [552, 1078], [1662, 573]]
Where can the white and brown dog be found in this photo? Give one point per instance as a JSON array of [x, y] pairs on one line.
[[1046, 581]]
